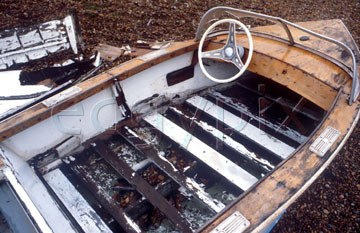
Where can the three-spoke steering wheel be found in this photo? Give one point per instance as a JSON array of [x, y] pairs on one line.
[[228, 53]]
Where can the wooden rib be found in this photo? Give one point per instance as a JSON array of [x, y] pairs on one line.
[[168, 168], [39, 112], [205, 153], [105, 200], [295, 175], [143, 187]]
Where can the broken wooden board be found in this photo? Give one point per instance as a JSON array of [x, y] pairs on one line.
[[109, 52], [22, 45]]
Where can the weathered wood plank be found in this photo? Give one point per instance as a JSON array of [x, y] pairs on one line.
[[109, 204], [169, 169], [337, 31], [154, 197], [202, 151], [295, 175]]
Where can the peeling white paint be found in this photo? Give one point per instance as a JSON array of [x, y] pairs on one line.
[[132, 223], [293, 134], [228, 140], [262, 138], [209, 156], [79, 208]]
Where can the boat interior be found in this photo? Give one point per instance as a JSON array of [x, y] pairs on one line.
[[155, 146], [188, 161]]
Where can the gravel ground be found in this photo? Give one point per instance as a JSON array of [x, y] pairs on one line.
[[332, 203]]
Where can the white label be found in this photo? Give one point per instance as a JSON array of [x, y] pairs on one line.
[[61, 96], [326, 139], [235, 223]]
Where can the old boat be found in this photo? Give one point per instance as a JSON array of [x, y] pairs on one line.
[[217, 134]]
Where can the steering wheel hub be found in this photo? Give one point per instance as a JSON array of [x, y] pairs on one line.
[[229, 52]]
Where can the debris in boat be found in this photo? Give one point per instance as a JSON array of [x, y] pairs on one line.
[[60, 73], [22, 45], [13, 94], [109, 52], [127, 49], [152, 45]]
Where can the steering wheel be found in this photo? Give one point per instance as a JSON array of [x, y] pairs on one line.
[[228, 53]]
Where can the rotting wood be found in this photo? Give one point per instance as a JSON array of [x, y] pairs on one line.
[[154, 197], [110, 205], [169, 169], [295, 79], [287, 104], [273, 158], [258, 206], [141, 206], [108, 52]]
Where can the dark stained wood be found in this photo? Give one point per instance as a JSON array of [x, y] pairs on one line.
[[180, 75], [110, 205], [150, 152], [154, 197], [292, 178]]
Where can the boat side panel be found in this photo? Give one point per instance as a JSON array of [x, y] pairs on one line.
[[281, 185], [83, 120], [151, 84], [40, 112]]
